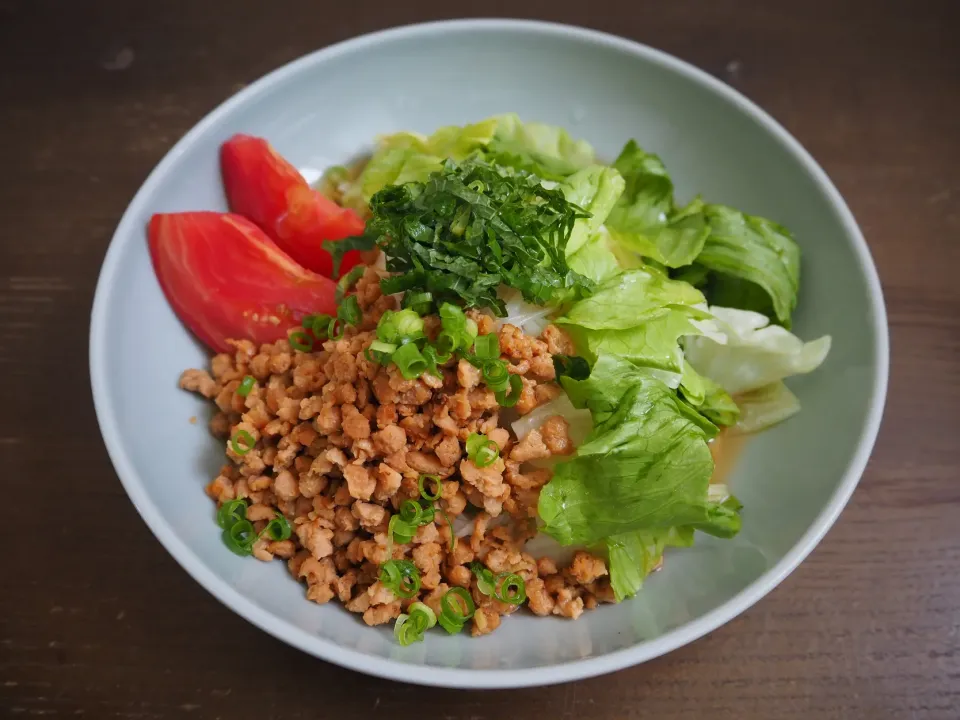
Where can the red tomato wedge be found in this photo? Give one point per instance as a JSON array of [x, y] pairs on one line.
[[265, 188], [226, 279]]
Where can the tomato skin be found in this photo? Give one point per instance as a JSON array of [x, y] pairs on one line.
[[226, 279], [265, 188]]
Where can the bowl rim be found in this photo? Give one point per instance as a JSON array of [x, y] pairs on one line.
[[482, 678]]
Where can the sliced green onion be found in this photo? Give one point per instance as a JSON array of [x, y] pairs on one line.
[[516, 388], [335, 329], [453, 535], [428, 516], [429, 353], [408, 323], [474, 442], [381, 358], [246, 385], [477, 186], [472, 330], [240, 537], [496, 375], [447, 342], [411, 363], [422, 613], [411, 512], [456, 607], [382, 347], [398, 325], [401, 577], [420, 302], [411, 627], [400, 531], [405, 631], [482, 450], [299, 340], [510, 589], [349, 310], [346, 283], [452, 317], [454, 333], [487, 455], [422, 486], [231, 512], [487, 347], [278, 528], [319, 325], [244, 437], [486, 583]]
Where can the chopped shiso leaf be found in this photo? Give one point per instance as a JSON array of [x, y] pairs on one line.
[[470, 228]]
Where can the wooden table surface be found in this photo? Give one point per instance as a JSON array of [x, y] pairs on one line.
[[96, 621]]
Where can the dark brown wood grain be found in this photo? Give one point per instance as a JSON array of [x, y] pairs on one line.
[[96, 621]]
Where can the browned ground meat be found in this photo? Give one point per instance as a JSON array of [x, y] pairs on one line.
[[342, 441]]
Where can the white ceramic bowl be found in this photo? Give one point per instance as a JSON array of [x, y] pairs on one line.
[[328, 106]]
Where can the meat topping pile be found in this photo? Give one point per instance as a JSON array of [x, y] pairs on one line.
[[339, 442]]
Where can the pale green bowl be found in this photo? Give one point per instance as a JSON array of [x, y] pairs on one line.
[[325, 108]]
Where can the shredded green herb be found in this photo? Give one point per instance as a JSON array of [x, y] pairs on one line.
[[339, 248], [472, 227]]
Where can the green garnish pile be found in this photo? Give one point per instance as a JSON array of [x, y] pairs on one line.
[[472, 227]]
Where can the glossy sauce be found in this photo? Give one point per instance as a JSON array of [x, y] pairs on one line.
[[725, 448]]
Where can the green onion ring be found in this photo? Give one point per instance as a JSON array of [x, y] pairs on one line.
[[487, 347], [411, 512], [474, 442], [240, 537], [486, 583], [457, 605], [278, 528], [248, 442], [346, 283], [511, 589], [422, 486], [246, 385], [349, 310], [317, 324], [299, 340], [453, 536], [409, 585], [399, 531], [516, 388], [382, 347], [335, 329], [410, 361], [496, 375], [429, 513], [231, 512], [487, 454]]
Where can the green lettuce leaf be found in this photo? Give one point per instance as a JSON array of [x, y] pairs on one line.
[[395, 166], [547, 151], [710, 400], [452, 141], [411, 157], [645, 219], [633, 556], [645, 465], [639, 315], [595, 189], [752, 352], [631, 299], [595, 259], [754, 257]]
